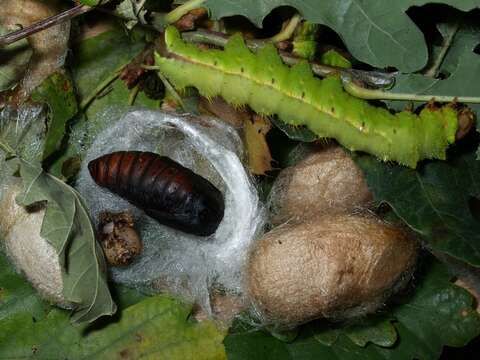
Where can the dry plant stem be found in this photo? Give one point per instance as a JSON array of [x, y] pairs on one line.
[[432, 72], [287, 32], [375, 79], [177, 13], [378, 94], [43, 24]]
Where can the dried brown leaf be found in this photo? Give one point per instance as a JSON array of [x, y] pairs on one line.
[[223, 110], [259, 156]]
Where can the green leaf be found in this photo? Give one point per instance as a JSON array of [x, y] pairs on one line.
[[377, 330], [17, 296], [433, 201], [447, 309], [14, 59], [438, 313], [152, 328], [67, 227], [378, 33], [156, 328], [125, 296], [92, 2], [460, 64], [94, 61], [57, 91]]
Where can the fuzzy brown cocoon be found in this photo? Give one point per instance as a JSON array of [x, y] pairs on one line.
[[325, 182], [338, 267]]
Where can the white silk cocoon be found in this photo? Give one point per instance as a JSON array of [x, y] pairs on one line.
[[182, 264]]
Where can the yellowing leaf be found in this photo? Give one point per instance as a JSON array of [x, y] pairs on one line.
[[259, 157], [254, 130], [155, 328], [217, 106]]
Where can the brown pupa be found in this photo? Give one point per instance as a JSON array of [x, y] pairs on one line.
[[167, 191]]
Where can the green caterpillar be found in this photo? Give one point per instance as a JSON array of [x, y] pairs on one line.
[[270, 87]]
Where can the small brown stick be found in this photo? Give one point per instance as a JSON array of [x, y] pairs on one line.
[[20, 34]]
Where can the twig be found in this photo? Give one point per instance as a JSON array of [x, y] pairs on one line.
[[177, 13], [378, 94], [432, 72], [288, 30], [20, 34], [372, 78]]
